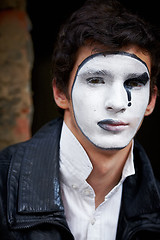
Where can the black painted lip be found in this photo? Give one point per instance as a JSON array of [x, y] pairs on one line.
[[112, 125]]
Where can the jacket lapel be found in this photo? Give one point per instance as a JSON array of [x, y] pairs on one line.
[[34, 178], [39, 182]]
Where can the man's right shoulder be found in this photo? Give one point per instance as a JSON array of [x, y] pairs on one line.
[[7, 154], [48, 131]]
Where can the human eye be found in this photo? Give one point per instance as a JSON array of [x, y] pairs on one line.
[[133, 83], [137, 82], [95, 80]]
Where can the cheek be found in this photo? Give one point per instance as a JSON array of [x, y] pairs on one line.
[[85, 110], [140, 100], [86, 100]]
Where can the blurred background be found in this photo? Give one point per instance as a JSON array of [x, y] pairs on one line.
[[28, 31]]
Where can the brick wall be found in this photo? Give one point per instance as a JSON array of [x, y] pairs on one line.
[[16, 61]]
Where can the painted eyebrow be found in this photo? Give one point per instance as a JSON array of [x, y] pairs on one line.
[[144, 77]]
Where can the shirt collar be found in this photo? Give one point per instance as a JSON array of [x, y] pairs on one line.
[[129, 168], [75, 165]]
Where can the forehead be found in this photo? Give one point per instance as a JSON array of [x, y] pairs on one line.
[[113, 63]]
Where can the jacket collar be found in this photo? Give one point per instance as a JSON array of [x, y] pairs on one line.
[[34, 178], [39, 188], [140, 206], [141, 194]]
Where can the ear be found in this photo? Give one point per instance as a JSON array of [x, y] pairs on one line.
[[152, 102], [59, 97]]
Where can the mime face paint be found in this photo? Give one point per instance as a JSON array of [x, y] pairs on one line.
[[110, 94]]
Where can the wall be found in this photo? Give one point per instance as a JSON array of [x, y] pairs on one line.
[[16, 61]]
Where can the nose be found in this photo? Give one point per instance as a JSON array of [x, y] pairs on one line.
[[116, 99]]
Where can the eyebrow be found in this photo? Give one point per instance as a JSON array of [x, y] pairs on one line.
[[102, 72], [144, 77]]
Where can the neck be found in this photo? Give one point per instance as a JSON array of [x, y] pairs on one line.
[[107, 170], [104, 161]]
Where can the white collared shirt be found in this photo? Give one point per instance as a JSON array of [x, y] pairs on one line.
[[86, 222]]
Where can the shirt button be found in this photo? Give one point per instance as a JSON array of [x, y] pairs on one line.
[[87, 192], [74, 186], [93, 220]]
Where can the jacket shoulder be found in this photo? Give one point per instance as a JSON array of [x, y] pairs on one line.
[[14, 154], [7, 153]]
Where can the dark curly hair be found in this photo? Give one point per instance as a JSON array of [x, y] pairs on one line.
[[104, 22]]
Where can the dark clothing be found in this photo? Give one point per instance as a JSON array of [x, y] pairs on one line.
[[31, 207]]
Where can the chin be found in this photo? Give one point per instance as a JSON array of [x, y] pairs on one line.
[[110, 147], [114, 148]]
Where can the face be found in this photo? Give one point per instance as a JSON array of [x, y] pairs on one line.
[[110, 94]]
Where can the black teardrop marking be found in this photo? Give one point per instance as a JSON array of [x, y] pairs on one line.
[[129, 97]]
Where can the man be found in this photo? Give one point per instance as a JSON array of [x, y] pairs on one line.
[[84, 176]]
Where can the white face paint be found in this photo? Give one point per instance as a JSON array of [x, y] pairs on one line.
[[110, 94]]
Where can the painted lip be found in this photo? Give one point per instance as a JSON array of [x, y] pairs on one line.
[[112, 125]]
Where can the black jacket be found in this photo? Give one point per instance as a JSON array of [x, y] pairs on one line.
[[31, 207]]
